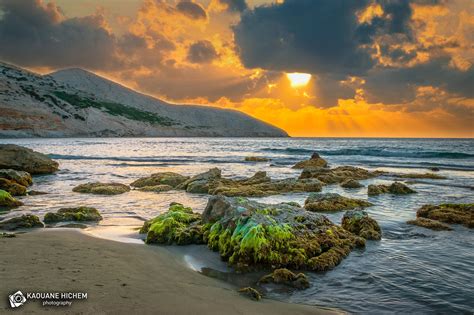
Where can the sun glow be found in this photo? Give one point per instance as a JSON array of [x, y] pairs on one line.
[[298, 79]]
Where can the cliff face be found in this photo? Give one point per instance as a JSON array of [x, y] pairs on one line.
[[75, 102]]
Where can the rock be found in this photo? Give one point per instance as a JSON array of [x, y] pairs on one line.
[[7, 235], [157, 188], [80, 214], [284, 276], [430, 224], [37, 193], [359, 223], [315, 161], [7, 201], [211, 175], [178, 225], [251, 293], [396, 188], [15, 182], [164, 178], [198, 187], [449, 213], [12, 187], [418, 175], [24, 222], [102, 188], [351, 183], [256, 159], [252, 235], [330, 202], [24, 159], [338, 174]]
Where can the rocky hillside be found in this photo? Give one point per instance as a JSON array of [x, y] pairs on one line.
[[75, 102]]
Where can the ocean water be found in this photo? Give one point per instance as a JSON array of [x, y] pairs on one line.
[[411, 270]]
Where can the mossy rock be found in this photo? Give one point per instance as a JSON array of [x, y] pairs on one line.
[[256, 159], [179, 225], [251, 293], [20, 177], [12, 187], [338, 174], [157, 188], [331, 202], [351, 183], [26, 221], [79, 214], [395, 188], [7, 201], [359, 223], [158, 179], [286, 277], [430, 224], [449, 213], [102, 188]]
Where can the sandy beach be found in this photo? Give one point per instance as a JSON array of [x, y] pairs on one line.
[[119, 278]]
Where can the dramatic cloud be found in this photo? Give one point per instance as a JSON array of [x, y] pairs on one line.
[[192, 10], [202, 52]]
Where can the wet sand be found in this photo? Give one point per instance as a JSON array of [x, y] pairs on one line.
[[118, 278]]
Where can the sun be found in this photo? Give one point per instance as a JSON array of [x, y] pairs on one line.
[[298, 79]]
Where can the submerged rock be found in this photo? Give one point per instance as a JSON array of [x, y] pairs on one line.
[[102, 188], [178, 225], [314, 162], [430, 224], [351, 183], [418, 175], [26, 221], [249, 235], [449, 213], [7, 201], [157, 188], [164, 178], [251, 293], [73, 214], [7, 235], [396, 188], [338, 174], [23, 159], [359, 223], [37, 193], [256, 159], [286, 277], [330, 202]]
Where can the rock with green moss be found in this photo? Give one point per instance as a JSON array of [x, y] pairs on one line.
[[158, 179], [314, 162], [102, 188], [15, 182], [395, 188], [256, 159], [286, 277], [179, 225], [7, 201], [359, 223], [338, 174], [251, 235], [430, 224], [351, 183], [251, 293], [156, 188], [12, 187], [330, 202], [80, 214], [449, 213], [26, 221]]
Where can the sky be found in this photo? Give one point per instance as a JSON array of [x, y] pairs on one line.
[[324, 68]]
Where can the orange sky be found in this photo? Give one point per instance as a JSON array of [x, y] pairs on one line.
[[157, 60]]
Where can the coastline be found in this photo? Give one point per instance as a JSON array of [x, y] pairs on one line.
[[118, 278]]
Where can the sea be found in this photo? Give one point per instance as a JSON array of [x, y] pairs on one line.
[[411, 270]]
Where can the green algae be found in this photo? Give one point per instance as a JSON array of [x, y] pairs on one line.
[[80, 214], [7, 201]]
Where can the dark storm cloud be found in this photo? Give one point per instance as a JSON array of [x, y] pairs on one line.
[[191, 10], [202, 52], [234, 5]]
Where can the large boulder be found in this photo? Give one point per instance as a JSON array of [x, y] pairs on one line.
[[359, 223], [26, 221], [163, 178], [338, 174], [250, 235], [80, 214], [15, 182], [178, 225], [395, 188], [7, 201], [23, 159], [314, 162], [102, 188], [330, 202], [449, 213]]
